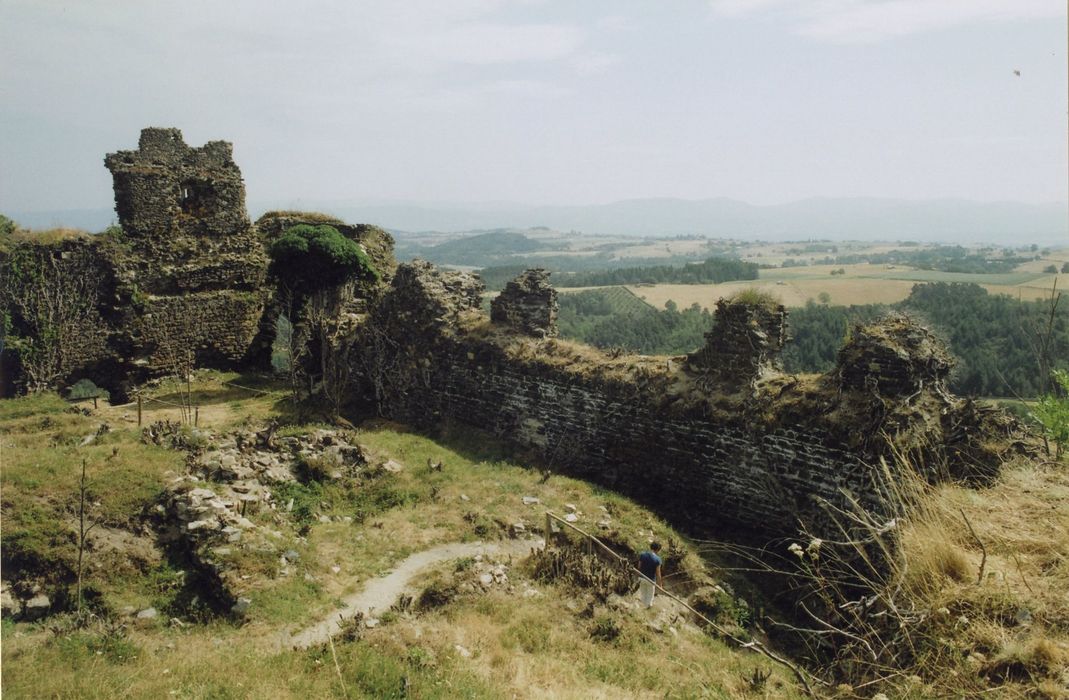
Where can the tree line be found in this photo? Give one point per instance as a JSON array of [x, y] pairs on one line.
[[941, 258], [995, 338]]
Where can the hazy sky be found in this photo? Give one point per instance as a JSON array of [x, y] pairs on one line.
[[544, 102]]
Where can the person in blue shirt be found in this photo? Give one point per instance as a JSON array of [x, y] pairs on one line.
[[649, 565]]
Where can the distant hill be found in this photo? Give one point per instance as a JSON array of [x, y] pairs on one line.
[[943, 220], [478, 250], [92, 220]]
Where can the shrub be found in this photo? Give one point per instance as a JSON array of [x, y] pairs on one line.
[[85, 389], [438, 593], [753, 296], [308, 258], [1052, 412], [605, 629]]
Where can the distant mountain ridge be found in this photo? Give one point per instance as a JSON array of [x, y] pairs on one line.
[[944, 220]]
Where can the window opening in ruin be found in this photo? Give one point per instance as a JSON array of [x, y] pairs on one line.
[[194, 197]]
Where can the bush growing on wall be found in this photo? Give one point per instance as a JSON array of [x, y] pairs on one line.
[[307, 258], [318, 271]]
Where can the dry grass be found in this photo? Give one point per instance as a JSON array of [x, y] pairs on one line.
[[548, 647], [191, 660], [48, 236], [972, 599], [861, 284]]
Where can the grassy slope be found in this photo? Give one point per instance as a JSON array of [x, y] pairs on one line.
[[524, 647]]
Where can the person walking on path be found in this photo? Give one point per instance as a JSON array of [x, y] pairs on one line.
[[649, 565]]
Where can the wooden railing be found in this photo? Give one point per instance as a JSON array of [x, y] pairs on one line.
[[753, 645]]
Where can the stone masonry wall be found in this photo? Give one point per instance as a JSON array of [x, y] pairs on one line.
[[193, 263], [760, 458], [690, 468], [527, 305], [187, 274], [75, 274]]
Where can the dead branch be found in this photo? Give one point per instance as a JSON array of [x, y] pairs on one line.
[[983, 549]]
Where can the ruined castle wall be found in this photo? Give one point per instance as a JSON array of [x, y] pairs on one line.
[[714, 438], [73, 278], [758, 458], [691, 467], [215, 326]]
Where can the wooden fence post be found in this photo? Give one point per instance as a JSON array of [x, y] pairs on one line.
[[139, 409], [549, 529]]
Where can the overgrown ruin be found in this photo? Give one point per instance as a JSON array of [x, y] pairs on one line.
[[721, 436]]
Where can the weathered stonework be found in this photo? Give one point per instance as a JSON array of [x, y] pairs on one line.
[[376, 242], [745, 342], [193, 257], [76, 275], [165, 189], [894, 358], [759, 458], [528, 305], [186, 278], [719, 437]]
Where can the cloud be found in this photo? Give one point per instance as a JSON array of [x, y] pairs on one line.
[[594, 62], [859, 21], [487, 44]]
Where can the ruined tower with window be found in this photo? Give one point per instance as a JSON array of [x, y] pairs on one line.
[[191, 259]]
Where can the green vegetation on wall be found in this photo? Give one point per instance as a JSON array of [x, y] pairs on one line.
[[308, 258]]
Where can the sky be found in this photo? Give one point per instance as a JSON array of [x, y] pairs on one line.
[[544, 102]]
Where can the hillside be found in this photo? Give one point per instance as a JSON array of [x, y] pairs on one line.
[[481, 621]]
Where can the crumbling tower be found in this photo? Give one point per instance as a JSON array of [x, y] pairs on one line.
[[166, 189], [528, 305], [745, 342], [193, 263]]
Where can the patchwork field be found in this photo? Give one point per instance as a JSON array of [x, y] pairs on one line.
[[860, 284]]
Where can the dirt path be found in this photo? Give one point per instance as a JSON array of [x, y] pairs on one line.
[[380, 593]]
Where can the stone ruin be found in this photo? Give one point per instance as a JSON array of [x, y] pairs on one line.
[[424, 297], [208, 513], [718, 437], [528, 305], [166, 189], [185, 282], [894, 358], [745, 342], [700, 440], [192, 257]]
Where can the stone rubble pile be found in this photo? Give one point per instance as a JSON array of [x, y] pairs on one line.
[[225, 500], [485, 574], [27, 604]]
